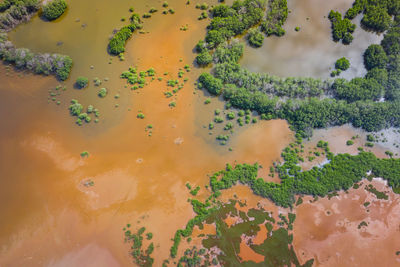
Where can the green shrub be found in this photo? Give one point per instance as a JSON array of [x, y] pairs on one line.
[[54, 9], [218, 119], [84, 154], [342, 29], [228, 126], [233, 21], [82, 82], [375, 57], [376, 18], [116, 45], [75, 108], [276, 16], [102, 92], [230, 115], [350, 142], [255, 38], [342, 64], [204, 58], [370, 138], [211, 84], [63, 66]]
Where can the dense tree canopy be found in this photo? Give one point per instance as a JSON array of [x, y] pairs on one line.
[[376, 18], [358, 89], [375, 57], [230, 21]]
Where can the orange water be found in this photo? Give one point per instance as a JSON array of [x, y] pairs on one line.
[[52, 218]]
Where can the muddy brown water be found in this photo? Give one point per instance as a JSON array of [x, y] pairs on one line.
[[52, 219], [330, 230], [49, 218]]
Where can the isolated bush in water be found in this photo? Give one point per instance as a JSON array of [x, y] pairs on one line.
[[54, 9], [342, 64], [82, 82]]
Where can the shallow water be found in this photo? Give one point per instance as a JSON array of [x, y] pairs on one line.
[[329, 231], [311, 51], [52, 218]]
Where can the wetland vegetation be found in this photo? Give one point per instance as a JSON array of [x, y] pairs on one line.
[[54, 9], [13, 13], [370, 102]]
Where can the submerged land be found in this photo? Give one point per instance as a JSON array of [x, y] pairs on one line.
[[200, 133]]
